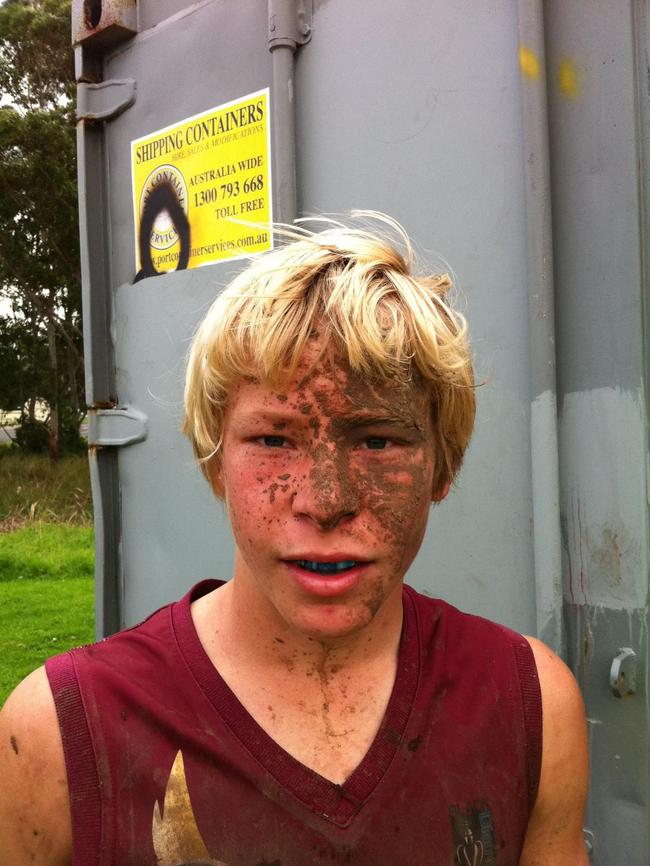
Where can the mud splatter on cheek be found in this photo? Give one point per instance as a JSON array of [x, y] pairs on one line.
[[398, 499], [375, 598]]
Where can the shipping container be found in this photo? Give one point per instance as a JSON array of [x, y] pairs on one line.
[[511, 138]]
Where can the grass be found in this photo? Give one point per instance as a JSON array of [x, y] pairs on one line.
[[33, 488], [46, 561], [46, 550], [39, 618]]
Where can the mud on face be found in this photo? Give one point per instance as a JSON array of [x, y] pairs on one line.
[[330, 461]]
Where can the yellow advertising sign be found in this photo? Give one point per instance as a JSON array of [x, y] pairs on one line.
[[202, 188]]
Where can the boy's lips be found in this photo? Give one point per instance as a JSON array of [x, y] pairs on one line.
[[326, 576]]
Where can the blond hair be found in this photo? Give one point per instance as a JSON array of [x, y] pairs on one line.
[[381, 318]]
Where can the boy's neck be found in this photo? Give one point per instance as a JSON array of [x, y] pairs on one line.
[[321, 701], [236, 620]]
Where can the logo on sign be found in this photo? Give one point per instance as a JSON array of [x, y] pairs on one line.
[[169, 179]]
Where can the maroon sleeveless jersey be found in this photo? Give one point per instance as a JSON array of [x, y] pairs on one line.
[[165, 766]]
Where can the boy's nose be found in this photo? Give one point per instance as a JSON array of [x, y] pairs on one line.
[[327, 494]]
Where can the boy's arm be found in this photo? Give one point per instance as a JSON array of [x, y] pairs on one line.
[[35, 823], [554, 836]]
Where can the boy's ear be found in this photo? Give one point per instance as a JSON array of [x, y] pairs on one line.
[[441, 493]]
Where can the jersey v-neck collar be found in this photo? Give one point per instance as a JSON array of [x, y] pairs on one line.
[[336, 803]]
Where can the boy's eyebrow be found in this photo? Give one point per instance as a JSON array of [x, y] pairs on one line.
[[368, 419], [347, 421]]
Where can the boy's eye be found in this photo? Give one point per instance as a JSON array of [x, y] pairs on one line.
[[273, 441], [376, 443]]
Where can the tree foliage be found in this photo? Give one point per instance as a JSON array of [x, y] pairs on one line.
[[37, 65], [23, 357], [39, 247]]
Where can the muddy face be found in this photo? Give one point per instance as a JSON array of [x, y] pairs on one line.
[[329, 465]]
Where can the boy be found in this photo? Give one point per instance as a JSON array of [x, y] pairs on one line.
[[312, 710]]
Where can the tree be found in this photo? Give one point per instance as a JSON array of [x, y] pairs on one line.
[[39, 246], [23, 354]]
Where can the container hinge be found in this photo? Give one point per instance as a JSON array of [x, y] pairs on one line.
[[105, 101], [289, 22], [116, 427]]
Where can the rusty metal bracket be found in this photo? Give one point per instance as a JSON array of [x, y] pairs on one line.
[[103, 23], [116, 427], [105, 101]]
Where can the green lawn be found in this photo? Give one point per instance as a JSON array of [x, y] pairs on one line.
[[46, 550], [46, 561], [39, 618]]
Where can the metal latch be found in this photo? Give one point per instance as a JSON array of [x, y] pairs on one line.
[[622, 676], [116, 427], [106, 100]]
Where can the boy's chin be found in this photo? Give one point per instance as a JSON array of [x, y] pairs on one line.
[[332, 623]]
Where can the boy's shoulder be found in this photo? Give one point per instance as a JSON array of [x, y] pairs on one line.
[[35, 822], [35, 819], [150, 639], [458, 630], [153, 654], [552, 699]]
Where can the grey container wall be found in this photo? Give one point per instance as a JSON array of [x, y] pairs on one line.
[[509, 138]]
